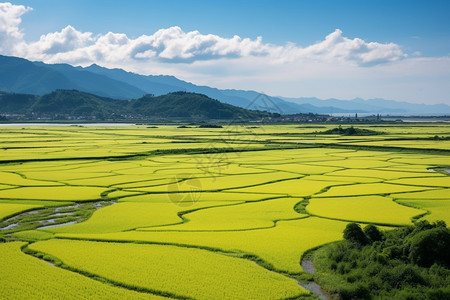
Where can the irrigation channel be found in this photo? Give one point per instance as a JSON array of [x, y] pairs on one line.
[[50, 217]]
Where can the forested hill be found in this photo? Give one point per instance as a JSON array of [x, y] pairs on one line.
[[69, 104]]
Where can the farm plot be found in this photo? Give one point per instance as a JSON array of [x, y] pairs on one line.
[[15, 179], [60, 193], [366, 209], [25, 277], [437, 181], [369, 189], [216, 183], [189, 198], [8, 209], [385, 174], [243, 216], [189, 218], [293, 187], [129, 215], [435, 194], [169, 270], [281, 246], [438, 209]]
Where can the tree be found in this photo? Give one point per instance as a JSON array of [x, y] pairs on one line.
[[373, 233], [354, 234], [431, 246]]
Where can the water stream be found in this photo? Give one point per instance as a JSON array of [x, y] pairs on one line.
[[313, 287], [44, 218], [57, 225]]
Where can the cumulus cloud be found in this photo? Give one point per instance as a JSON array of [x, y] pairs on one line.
[[170, 45], [68, 39], [173, 45], [358, 51], [10, 19]]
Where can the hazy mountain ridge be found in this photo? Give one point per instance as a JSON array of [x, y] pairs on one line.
[[375, 105], [19, 75]]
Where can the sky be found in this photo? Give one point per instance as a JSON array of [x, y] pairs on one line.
[[305, 48]]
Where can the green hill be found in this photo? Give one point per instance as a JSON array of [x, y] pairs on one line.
[[189, 105], [70, 104]]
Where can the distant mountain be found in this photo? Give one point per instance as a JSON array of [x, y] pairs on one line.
[[97, 84], [19, 75], [82, 105], [381, 106], [22, 76], [161, 84]]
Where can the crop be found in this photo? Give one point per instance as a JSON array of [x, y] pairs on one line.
[[7, 209], [280, 246], [294, 187], [369, 189], [239, 216], [438, 209], [200, 212], [431, 194], [441, 181], [368, 209], [25, 277], [63, 193], [381, 174], [129, 215], [181, 271]]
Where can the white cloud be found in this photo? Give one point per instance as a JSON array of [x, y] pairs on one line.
[[10, 19], [173, 45], [337, 48], [337, 66], [68, 39]]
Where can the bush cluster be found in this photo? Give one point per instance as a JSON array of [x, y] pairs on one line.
[[406, 263]]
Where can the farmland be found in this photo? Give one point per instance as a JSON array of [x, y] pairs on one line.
[[203, 213]]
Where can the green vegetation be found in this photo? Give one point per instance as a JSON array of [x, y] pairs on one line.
[[210, 126], [73, 104], [168, 270], [243, 203], [25, 277], [412, 262], [351, 131]]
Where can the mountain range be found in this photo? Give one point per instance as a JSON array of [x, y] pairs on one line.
[[19, 75]]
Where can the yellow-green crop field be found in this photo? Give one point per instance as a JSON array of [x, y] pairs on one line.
[[131, 212]]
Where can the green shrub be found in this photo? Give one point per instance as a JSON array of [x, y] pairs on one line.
[[354, 234], [406, 263], [358, 291], [373, 233], [431, 246]]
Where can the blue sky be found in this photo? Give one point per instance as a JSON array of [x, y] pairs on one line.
[[391, 49]]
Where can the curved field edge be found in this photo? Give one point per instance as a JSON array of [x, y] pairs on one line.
[[25, 277], [288, 240], [169, 268]]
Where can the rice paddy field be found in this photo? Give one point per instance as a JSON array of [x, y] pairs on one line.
[[133, 212]]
